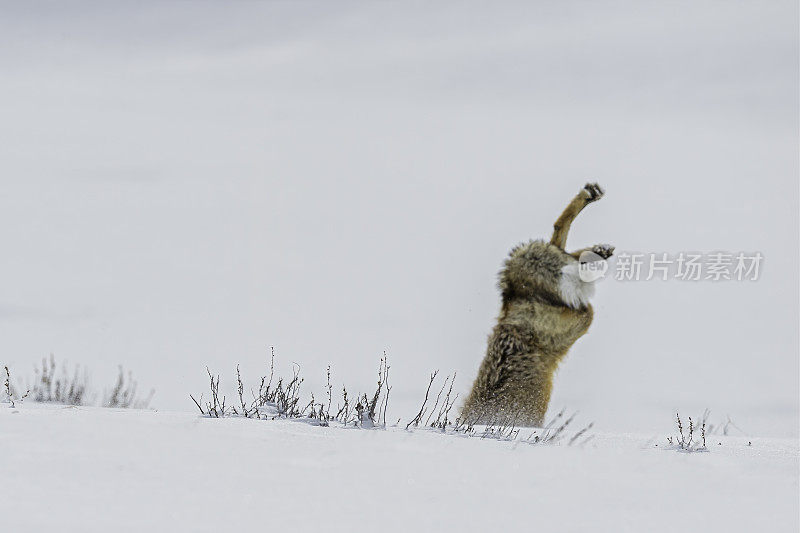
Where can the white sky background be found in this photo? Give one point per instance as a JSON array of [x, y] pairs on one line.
[[187, 184]]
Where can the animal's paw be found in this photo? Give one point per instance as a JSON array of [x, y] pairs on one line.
[[592, 192], [603, 250]]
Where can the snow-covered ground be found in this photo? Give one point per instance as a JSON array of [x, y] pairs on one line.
[[91, 469]]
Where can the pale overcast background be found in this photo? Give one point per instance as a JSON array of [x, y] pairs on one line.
[[186, 184]]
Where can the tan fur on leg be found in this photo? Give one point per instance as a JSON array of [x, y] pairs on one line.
[[591, 192]]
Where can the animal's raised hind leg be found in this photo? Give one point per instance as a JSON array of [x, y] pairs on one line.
[[591, 192]]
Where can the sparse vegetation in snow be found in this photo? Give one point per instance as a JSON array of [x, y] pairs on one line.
[[10, 392], [52, 384], [688, 438], [123, 394], [283, 400]]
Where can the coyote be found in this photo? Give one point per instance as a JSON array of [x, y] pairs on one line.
[[545, 310]]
